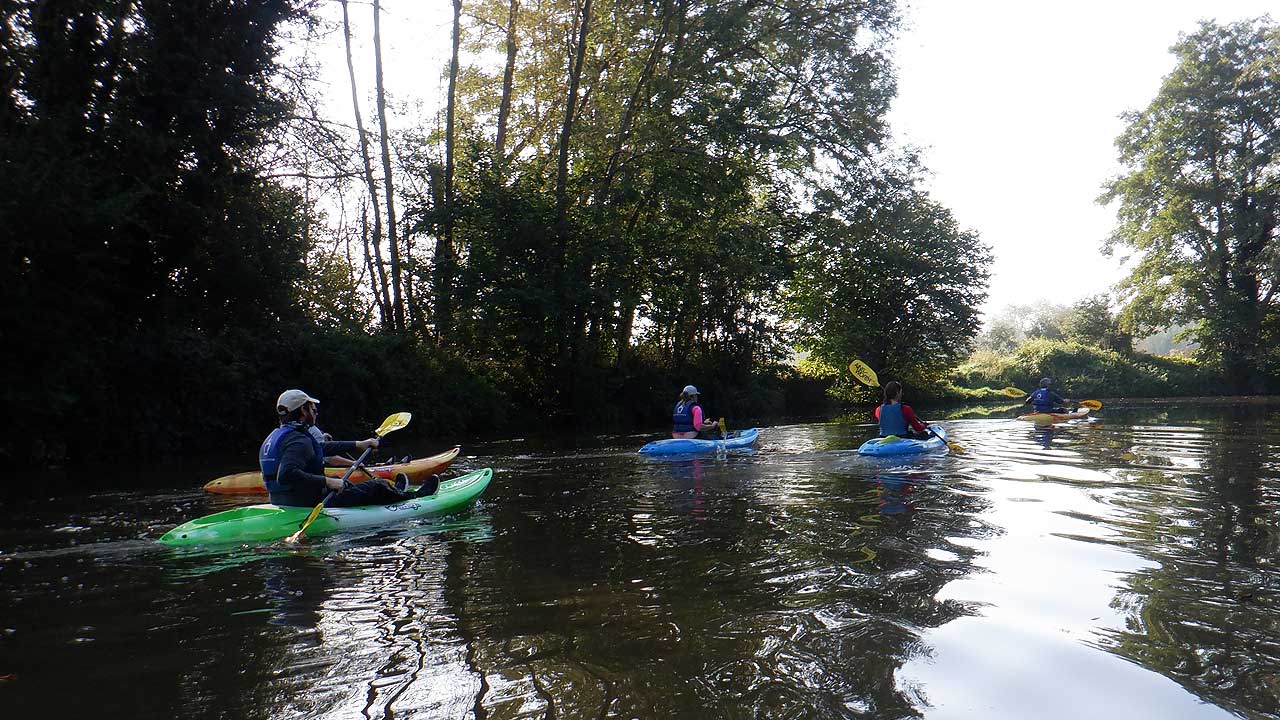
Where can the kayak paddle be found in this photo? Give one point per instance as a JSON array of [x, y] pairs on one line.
[[723, 435], [1091, 404], [390, 425], [865, 375], [1012, 392], [868, 377]]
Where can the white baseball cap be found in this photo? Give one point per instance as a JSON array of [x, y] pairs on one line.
[[690, 390], [291, 400]]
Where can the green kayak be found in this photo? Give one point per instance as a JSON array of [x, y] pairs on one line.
[[261, 523]]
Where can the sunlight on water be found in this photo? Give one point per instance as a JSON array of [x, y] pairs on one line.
[[1122, 566]]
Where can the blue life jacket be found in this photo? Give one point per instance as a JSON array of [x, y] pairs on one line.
[[891, 420], [1043, 399], [682, 418], [269, 455]]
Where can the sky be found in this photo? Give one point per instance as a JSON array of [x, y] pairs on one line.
[[1016, 106]]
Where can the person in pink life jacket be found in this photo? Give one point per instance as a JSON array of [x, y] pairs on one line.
[[687, 418], [898, 419]]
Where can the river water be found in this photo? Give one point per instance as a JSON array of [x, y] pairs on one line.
[[1123, 566]]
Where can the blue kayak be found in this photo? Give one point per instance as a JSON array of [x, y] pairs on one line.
[[899, 446], [736, 439]]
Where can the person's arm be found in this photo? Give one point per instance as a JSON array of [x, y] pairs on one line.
[[334, 448], [910, 416], [343, 447], [877, 412]]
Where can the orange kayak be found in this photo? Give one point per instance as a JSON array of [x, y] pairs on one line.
[[250, 483]]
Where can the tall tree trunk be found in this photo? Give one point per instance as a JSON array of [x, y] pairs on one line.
[[111, 71], [379, 276], [397, 302], [571, 106], [570, 313], [634, 103], [368, 259], [626, 324], [446, 260], [508, 83]]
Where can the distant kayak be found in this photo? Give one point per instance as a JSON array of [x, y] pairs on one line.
[[736, 439], [264, 523], [250, 483], [901, 446], [1051, 418]]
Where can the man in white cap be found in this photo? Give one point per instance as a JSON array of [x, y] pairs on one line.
[[292, 462]]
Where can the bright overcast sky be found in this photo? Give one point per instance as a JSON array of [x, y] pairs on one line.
[[1016, 106]]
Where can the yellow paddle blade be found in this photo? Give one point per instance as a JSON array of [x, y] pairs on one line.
[[393, 423], [1091, 404], [956, 448], [315, 513], [865, 375], [1012, 392]]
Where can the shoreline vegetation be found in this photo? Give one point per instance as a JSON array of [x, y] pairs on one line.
[[613, 201]]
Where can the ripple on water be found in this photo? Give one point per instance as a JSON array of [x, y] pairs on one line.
[[1096, 569]]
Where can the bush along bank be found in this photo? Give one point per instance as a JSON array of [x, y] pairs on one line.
[[1080, 370]]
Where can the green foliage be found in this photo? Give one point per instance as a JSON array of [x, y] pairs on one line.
[[1091, 322], [1088, 322], [219, 391], [132, 200], [719, 168], [1080, 370], [892, 281], [1198, 201]]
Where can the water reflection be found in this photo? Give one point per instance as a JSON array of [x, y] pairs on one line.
[[1121, 566], [1204, 613]]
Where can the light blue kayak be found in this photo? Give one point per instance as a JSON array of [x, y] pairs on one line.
[[899, 446], [736, 439]]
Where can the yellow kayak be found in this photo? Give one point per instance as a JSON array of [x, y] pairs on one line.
[[1051, 418], [250, 483]]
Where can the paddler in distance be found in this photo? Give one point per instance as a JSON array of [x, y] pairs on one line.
[[1045, 400], [292, 463], [687, 418], [898, 419]]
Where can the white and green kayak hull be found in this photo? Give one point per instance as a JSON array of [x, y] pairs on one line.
[[264, 523]]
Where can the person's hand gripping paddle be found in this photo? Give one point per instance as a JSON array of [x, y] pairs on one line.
[[390, 425]]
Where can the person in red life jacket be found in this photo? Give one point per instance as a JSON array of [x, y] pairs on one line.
[[292, 463], [898, 419], [1045, 400], [687, 418]]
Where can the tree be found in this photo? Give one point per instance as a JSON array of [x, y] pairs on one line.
[[379, 275], [894, 282], [143, 234], [1001, 336], [1198, 200], [393, 240], [1091, 322]]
